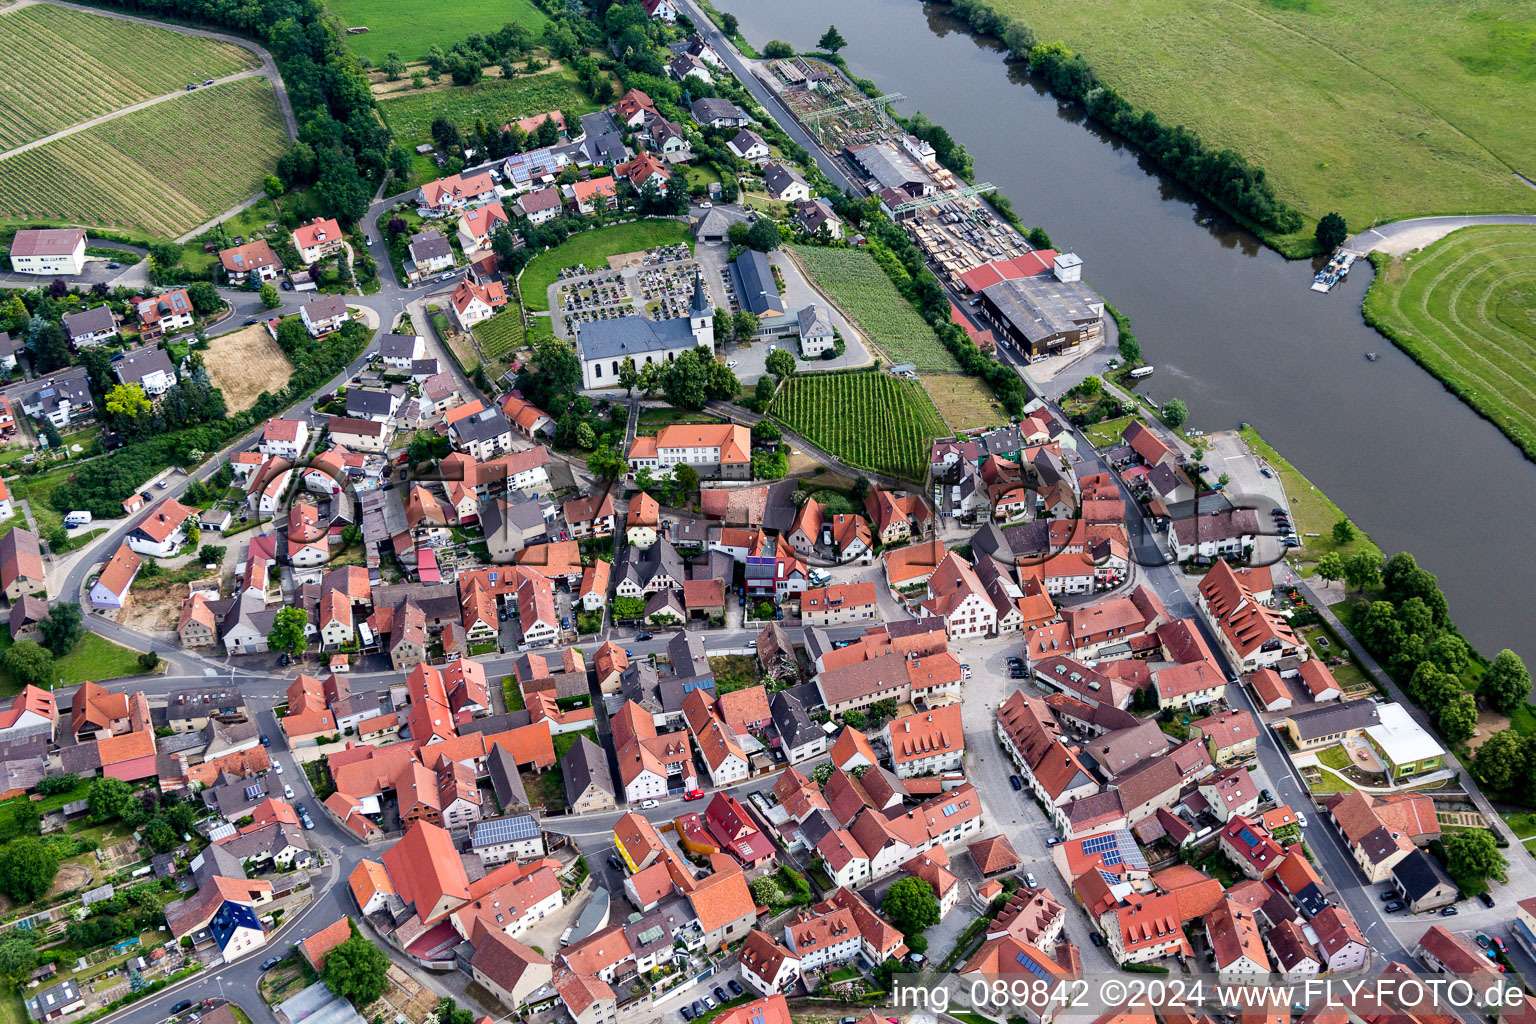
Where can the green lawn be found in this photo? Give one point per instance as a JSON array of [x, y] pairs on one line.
[[651, 420], [409, 27], [1106, 433], [1522, 825], [94, 658], [1312, 511], [1336, 758], [592, 249], [1465, 309], [1377, 110], [495, 100]]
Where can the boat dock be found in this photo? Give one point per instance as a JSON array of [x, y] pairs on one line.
[[1336, 270]]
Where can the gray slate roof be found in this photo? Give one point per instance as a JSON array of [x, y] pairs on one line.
[[429, 245], [1336, 718], [585, 764], [397, 346], [632, 336], [140, 363], [815, 322], [755, 287], [89, 321], [710, 108], [324, 307], [485, 425]]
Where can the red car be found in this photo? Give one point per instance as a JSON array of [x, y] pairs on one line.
[[694, 794]]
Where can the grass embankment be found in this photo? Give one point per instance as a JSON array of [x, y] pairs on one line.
[[592, 249], [94, 658], [1312, 511], [1464, 308], [159, 170], [1379, 111], [870, 420], [411, 27]]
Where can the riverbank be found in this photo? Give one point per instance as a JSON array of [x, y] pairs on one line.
[[1312, 512], [1464, 308]]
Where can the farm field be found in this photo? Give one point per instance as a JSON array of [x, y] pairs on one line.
[[964, 402], [157, 171], [592, 249], [857, 284], [497, 101], [1377, 110], [1465, 309], [245, 363], [871, 420], [410, 27], [60, 66]]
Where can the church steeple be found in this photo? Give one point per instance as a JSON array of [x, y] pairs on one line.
[[700, 306]]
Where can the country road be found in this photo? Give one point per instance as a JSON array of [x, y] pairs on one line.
[[1403, 236]]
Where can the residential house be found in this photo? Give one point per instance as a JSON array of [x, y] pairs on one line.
[[474, 303], [324, 314], [163, 314], [21, 564], [57, 252], [319, 238], [111, 588], [476, 226], [429, 252], [163, 529], [149, 368], [90, 327], [748, 146], [784, 184], [253, 259], [447, 196]]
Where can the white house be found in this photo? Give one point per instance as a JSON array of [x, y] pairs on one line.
[[150, 368], [90, 327], [539, 206], [749, 146], [784, 184], [766, 966], [163, 530], [430, 252], [663, 9], [816, 332], [473, 303], [324, 314], [399, 351], [284, 439], [448, 195], [476, 226], [320, 237], [59, 251]]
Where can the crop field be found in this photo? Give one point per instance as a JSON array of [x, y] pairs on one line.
[[1377, 110], [501, 334], [1465, 308], [409, 27], [866, 295], [245, 363], [870, 420], [496, 100], [158, 171], [592, 249], [60, 66]]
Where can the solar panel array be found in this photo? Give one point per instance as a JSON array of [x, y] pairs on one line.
[[1098, 844], [505, 830], [1031, 966]]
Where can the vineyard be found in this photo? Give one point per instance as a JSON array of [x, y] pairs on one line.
[[502, 333], [60, 66], [157, 171], [857, 284], [870, 420]]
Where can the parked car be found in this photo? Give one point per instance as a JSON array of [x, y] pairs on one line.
[[1498, 944], [1484, 941], [114, 266], [1096, 938], [271, 962], [1054, 841], [720, 994], [1449, 911], [1394, 906], [1017, 672], [185, 1004], [694, 794], [648, 804], [614, 862], [1301, 819], [1486, 897], [287, 791], [1015, 782], [644, 636], [1029, 880], [687, 1012], [208, 81], [698, 1007], [735, 986], [1264, 795], [1390, 894], [277, 766], [265, 741], [1266, 471]]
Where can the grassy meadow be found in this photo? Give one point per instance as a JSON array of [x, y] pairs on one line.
[[409, 27], [1377, 110]]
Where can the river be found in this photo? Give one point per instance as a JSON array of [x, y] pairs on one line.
[[1231, 326]]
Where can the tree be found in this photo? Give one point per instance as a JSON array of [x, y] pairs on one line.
[[685, 477], [288, 631], [1331, 232], [355, 970], [628, 375], [729, 24], [1472, 857], [1449, 653], [831, 40], [605, 463], [128, 402], [558, 360], [1416, 617], [1457, 718], [822, 774], [427, 446], [780, 363], [165, 255], [1020, 39], [586, 437], [778, 49], [765, 431], [18, 955], [1343, 531], [1379, 629], [762, 392], [108, 798], [1331, 567], [393, 66], [1507, 683], [766, 891], [62, 628], [882, 711], [27, 868], [270, 297], [764, 235], [686, 381], [51, 347], [1362, 569], [854, 719], [1502, 760], [1175, 412], [30, 664], [911, 905], [744, 324]]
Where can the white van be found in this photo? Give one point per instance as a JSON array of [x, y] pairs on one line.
[[75, 519]]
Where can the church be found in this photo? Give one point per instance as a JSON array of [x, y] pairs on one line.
[[603, 345]]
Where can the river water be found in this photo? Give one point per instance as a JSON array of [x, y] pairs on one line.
[[1231, 326]]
